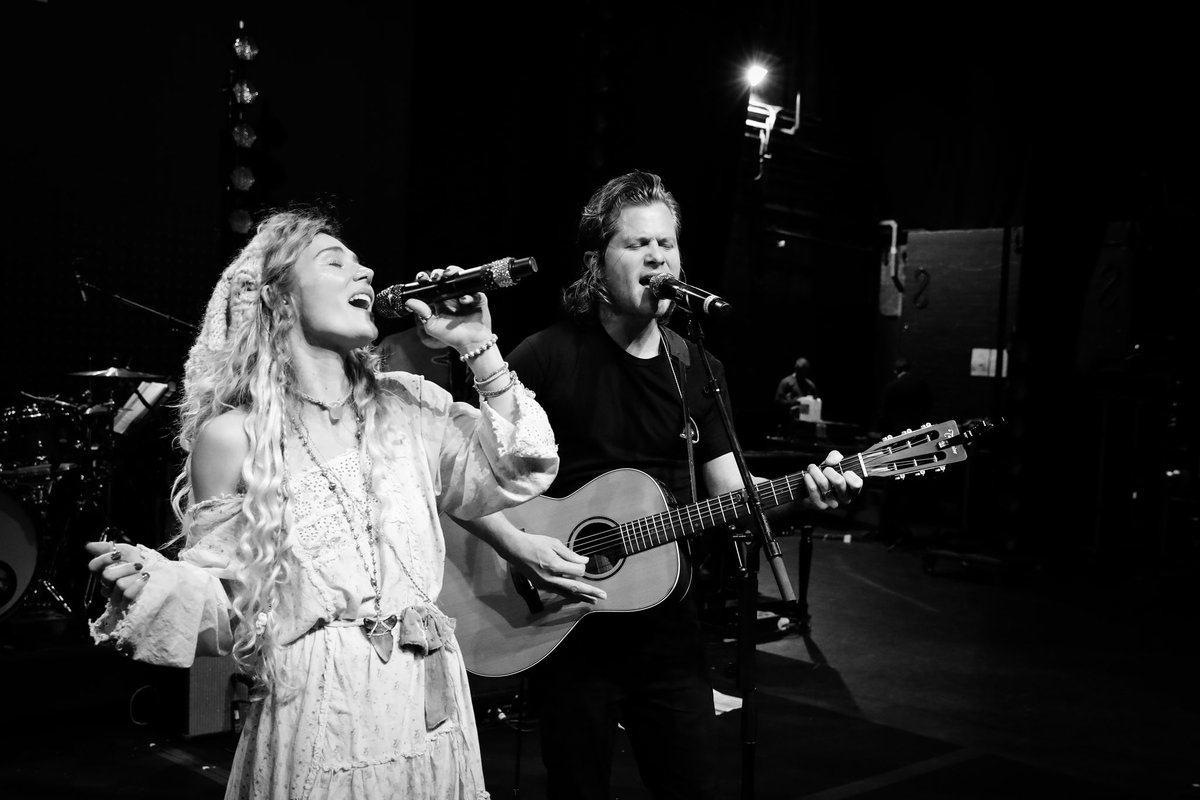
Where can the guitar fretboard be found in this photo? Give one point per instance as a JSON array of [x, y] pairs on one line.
[[888, 459]]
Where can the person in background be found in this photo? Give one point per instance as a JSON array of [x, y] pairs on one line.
[[796, 397], [796, 384]]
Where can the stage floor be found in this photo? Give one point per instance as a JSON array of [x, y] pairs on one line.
[[963, 681]]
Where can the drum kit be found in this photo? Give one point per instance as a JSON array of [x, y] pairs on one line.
[[57, 462]]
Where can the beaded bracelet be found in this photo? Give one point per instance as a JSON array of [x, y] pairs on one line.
[[477, 352], [512, 381], [493, 376]]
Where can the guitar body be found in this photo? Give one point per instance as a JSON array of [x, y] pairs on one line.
[[624, 523], [504, 625]]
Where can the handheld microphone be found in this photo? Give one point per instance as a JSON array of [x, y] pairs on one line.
[[498, 274], [665, 286], [82, 286]]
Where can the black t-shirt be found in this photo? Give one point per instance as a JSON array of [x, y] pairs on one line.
[[611, 410]]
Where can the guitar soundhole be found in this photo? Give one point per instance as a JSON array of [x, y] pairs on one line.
[[599, 541]]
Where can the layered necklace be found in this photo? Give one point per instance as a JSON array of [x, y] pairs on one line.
[[334, 410], [377, 629]]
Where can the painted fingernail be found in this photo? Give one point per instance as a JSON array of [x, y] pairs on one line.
[[137, 565]]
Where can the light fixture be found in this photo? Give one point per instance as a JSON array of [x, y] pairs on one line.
[[242, 99], [242, 178], [762, 116], [243, 134]]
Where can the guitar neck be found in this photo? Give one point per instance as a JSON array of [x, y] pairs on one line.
[[931, 447], [680, 523]]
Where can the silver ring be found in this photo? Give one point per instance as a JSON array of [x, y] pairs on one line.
[[424, 320]]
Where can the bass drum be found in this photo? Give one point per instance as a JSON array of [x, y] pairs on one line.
[[18, 551]]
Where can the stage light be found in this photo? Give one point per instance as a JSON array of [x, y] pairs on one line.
[[761, 115], [242, 178], [243, 134], [244, 47], [242, 106], [244, 92], [240, 221]]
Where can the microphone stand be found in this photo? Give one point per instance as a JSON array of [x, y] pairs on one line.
[[175, 321], [746, 549]]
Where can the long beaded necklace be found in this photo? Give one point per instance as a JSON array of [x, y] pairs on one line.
[[377, 629]]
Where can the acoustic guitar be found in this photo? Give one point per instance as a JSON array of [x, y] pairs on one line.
[[622, 521]]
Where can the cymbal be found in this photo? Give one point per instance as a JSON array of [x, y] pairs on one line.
[[117, 372]]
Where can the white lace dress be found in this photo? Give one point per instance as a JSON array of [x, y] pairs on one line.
[[356, 727]]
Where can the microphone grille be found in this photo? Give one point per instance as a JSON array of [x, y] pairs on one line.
[[390, 304], [659, 284]]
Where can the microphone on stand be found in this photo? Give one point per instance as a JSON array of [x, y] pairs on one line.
[[664, 286], [498, 274]]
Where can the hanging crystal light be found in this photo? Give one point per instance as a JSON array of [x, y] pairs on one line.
[[244, 135]]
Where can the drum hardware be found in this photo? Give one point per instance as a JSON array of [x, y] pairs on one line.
[[18, 551], [38, 439], [28, 555], [55, 465], [118, 372], [115, 421]]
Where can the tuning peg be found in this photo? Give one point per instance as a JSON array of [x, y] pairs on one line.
[[920, 472], [888, 438], [900, 477], [906, 430], [941, 469], [927, 425]]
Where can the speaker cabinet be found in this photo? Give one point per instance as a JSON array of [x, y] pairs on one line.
[[214, 697]]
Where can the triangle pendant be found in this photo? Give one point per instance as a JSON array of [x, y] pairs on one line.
[[379, 634], [335, 413]]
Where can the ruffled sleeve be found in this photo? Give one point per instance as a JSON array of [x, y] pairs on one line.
[[479, 461], [183, 610]]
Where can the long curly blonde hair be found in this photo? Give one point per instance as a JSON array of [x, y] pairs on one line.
[[242, 359]]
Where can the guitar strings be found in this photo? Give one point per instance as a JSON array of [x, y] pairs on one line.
[[648, 528]]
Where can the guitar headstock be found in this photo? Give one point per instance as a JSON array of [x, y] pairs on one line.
[[972, 429], [929, 447]]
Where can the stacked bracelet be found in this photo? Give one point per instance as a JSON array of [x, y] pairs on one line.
[[512, 381], [477, 352], [481, 381]]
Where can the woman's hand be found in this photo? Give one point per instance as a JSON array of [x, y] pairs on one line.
[[550, 564], [119, 568], [464, 323]]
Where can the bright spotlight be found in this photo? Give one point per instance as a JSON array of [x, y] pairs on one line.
[[755, 75]]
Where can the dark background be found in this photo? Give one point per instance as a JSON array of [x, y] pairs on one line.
[[445, 134]]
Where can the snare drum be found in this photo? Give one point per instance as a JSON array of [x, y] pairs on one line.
[[18, 551], [38, 439]]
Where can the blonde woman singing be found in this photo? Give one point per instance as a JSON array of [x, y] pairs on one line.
[[308, 505]]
